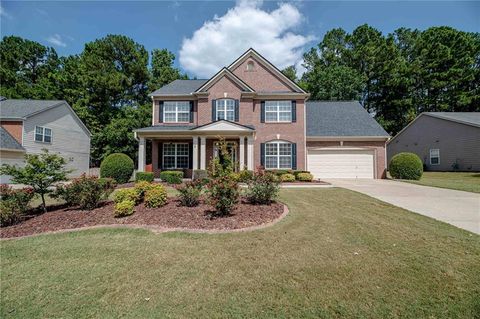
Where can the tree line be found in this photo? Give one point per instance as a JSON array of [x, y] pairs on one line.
[[394, 76]]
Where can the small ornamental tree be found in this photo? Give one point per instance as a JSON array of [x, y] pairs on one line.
[[40, 172]]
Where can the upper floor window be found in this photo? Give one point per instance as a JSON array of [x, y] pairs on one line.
[[434, 157], [225, 109], [175, 155], [43, 134], [250, 66], [176, 111], [278, 111], [278, 155]]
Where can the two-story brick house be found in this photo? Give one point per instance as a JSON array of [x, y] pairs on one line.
[[264, 116]]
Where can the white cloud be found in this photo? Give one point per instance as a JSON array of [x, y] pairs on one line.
[[57, 40], [4, 13], [220, 41]]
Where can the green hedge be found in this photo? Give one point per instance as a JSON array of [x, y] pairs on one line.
[[117, 166], [144, 176], [406, 166], [171, 177]]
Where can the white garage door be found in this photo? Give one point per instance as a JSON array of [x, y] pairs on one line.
[[336, 163]]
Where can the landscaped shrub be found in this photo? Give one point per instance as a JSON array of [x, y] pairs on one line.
[[126, 194], [125, 208], [263, 188], [117, 166], [13, 204], [287, 178], [189, 194], [245, 176], [280, 172], [144, 176], [304, 177], [142, 187], [299, 172], [223, 194], [85, 191], [171, 177], [406, 166], [155, 197]]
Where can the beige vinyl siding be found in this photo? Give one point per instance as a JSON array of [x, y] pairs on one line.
[[69, 139], [10, 158], [456, 142]]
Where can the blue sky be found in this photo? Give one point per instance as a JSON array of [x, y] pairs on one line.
[[281, 31]]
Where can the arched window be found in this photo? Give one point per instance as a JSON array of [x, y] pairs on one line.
[[225, 109], [278, 155], [250, 66]]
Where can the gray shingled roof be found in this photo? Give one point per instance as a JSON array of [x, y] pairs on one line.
[[340, 118], [7, 141], [179, 87], [470, 118], [23, 108]]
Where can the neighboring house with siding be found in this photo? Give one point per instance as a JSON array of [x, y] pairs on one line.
[[444, 141], [28, 126], [266, 120]]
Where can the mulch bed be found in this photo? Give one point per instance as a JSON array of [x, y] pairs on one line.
[[172, 215]]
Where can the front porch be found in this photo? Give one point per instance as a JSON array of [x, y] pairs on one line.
[[193, 148]]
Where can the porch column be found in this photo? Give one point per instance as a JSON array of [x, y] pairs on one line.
[[250, 156], [203, 153], [242, 152], [195, 153], [141, 154]]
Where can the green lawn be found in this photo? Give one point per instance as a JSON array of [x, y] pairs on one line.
[[469, 182], [338, 254]]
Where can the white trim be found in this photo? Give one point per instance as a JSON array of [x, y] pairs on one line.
[[234, 127], [12, 150], [224, 106], [277, 112], [176, 112], [203, 151], [278, 156], [43, 134], [175, 156], [224, 72], [430, 156]]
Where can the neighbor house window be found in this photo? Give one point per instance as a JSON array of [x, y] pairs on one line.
[[434, 157], [176, 111], [225, 109], [278, 111], [278, 155], [175, 155], [43, 134]]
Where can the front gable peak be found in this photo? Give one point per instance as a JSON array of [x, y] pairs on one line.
[[224, 72]]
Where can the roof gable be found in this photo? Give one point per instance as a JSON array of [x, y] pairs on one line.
[[467, 118], [224, 126], [8, 142], [179, 87], [224, 72]]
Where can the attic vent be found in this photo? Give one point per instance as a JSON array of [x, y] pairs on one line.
[[250, 66]]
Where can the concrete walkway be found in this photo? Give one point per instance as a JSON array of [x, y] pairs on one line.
[[461, 209]]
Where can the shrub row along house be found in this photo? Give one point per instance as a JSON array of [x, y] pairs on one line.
[[28, 126], [267, 121]]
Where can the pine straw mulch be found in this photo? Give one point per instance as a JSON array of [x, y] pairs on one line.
[[170, 216]]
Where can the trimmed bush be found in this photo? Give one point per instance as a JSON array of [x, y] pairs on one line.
[[125, 208], [245, 176], [85, 191], [299, 172], [304, 177], [155, 197], [126, 194], [287, 178], [141, 187], [117, 166], [13, 204], [171, 177], [144, 176], [263, 188], [406, 166], [280, 172], [223, 194], [190, 193]]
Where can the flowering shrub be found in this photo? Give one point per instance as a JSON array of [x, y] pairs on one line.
[[125, 208], [126, 194], [85, 191], [223, 194], [190, 193], [287, 178], [13, 204], [263, 188], [155, 197]]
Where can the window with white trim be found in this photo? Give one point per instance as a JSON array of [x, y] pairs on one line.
[[250, 66], [434, 157], [176, 111], [278, 111], [225, 109], [43, 134], [278, 155], [175, 155]]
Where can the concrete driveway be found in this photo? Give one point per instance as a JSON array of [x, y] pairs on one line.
[[461, 209]]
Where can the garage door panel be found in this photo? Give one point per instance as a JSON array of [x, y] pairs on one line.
[[341, 163]]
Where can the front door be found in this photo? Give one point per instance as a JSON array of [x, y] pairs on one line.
[[232, 150]]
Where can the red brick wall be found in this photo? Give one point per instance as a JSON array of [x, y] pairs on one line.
[[377, 146], [15, 128]]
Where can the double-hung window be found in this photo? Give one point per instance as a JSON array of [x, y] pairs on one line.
[[175, 155], [225, 109], [278, 155], [434, 157], [43, 134], [278, 111], [176, 111]]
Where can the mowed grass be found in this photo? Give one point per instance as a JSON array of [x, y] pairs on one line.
[[469, 182], [338, 254]]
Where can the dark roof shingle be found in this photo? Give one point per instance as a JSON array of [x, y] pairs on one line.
[[340, 118], [469, 118], [23, 108], [8, 142], [179, 87]]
